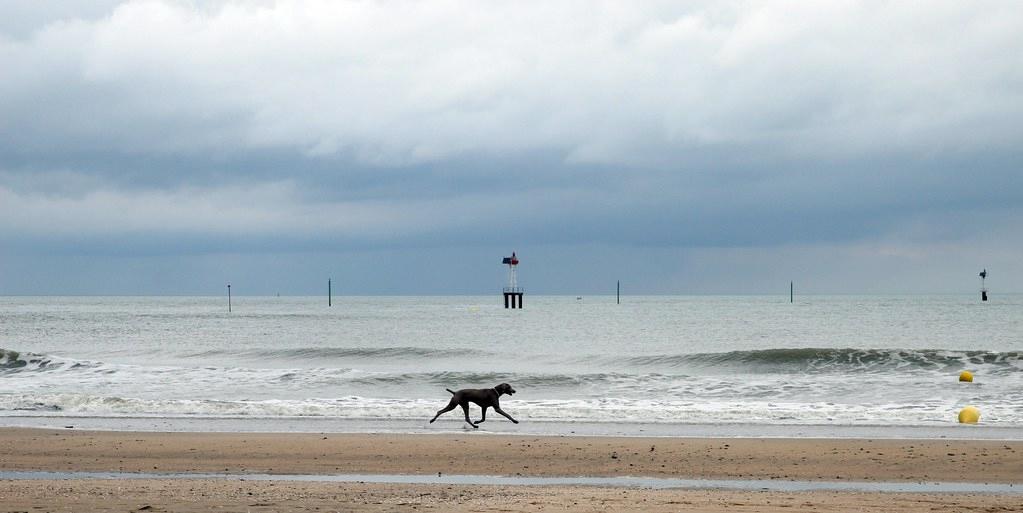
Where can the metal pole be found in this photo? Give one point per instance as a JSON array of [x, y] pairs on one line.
[[329, 293], [618, 292], [228, 298], [790, 292]]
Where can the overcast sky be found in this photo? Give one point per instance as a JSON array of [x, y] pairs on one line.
[[171, 147]]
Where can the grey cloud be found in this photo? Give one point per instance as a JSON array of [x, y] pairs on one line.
[[609, 85], [647, 130], [22, 18]]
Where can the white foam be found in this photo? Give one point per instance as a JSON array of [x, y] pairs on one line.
[[568, 410]]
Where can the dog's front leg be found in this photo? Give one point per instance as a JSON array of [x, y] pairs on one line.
[[484, 416], [499, 410]]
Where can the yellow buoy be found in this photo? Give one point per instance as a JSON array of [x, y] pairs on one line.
[[966, 376], [969, 415]]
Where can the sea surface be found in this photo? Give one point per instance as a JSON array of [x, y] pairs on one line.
[[654, 365]]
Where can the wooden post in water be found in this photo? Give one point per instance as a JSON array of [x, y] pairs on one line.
[[329, 299], [618, 292], [790, 292], [228, 298]]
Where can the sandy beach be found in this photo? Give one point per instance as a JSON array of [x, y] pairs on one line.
[[205, 496], [481, 454]]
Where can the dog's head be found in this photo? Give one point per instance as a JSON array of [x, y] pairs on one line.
[[504, 388]]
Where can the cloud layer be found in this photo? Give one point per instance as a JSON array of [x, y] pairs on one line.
[[391, 83], [370, 126]]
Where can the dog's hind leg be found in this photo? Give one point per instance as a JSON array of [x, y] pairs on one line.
[[465, 408], [451, 406]]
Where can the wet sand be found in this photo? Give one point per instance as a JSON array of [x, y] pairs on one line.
[[472, 453], [241, 497]]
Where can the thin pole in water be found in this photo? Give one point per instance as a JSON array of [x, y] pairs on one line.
[[228, 298], [618, 292], [790, 292], [329, 299]]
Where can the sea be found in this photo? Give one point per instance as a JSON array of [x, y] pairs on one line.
[[751, 366]]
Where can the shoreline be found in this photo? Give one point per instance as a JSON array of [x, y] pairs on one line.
[[270, 457], [451, 426]]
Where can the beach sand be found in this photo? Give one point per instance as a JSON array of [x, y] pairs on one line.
[[241, 497], [482, 454]]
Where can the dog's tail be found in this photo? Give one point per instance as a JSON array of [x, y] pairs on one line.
[[449, 390]]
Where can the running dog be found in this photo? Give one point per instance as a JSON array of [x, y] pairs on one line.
[[483, 397]]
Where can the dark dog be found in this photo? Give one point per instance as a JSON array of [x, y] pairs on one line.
[[483, 397]]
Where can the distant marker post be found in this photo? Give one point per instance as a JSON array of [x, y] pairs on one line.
[[329, 299], [228, 298], [618, 292], [791, 292], [512, 293]]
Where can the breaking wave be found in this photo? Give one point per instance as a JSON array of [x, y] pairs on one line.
[[838, 360], [17, 361], [321, 353]]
